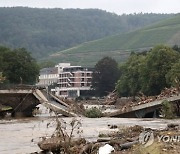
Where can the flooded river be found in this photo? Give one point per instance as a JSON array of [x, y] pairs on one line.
[[20, 136]]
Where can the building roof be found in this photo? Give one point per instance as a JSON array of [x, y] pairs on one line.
[[76, 68], [50, 70]]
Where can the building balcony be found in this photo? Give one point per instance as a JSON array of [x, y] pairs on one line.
[[66, 77], [73, 88]]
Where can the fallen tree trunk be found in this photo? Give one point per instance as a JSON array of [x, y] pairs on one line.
[[128, 145], [103, 139]]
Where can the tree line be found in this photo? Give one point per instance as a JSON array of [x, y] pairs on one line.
[[147, 72]]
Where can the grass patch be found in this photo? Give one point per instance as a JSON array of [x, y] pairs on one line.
[[167, 110], [5, 108]]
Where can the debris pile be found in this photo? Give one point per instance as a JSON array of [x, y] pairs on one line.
[[142, 99], [117, 142], [112, 103], [166, 93], [125, 141], [111, 98], [66, 143], [71, 105]]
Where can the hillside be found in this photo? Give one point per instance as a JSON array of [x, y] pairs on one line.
[[45, 31], [120, 46]]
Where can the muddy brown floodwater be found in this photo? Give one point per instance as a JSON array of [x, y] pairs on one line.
[[20, 136]]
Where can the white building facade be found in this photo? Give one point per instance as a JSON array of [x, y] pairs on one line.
[[48, 76]]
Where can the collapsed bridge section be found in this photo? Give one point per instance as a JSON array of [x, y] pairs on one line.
[[24, 101]]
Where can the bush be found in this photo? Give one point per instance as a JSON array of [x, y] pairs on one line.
[[93, 113], [167, 110]]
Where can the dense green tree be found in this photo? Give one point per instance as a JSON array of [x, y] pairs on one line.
[[105, 75], [1, 78], [19, 66], [129, 83], [157, 64], [173, 76], [3, 50], [149, 72]]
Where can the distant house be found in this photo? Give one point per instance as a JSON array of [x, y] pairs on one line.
[[48, 76]]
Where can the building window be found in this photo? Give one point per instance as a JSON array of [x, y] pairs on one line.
[[89, 80], [72, 80], [82, 79]]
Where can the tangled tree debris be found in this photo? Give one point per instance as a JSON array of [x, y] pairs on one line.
[[166, 93], [111, 98], [142, 102]]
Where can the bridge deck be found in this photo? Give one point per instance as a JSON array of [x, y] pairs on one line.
[[153, 104]]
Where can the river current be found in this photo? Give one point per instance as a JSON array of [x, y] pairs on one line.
[[21, 135]]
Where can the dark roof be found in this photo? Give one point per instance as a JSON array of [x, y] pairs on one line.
[[78, 68], [50, 70]]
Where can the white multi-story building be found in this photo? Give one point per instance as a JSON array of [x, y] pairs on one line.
[[72, 80], [48, 76]]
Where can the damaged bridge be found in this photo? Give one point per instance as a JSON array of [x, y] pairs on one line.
[[150, 109], [24, 101]]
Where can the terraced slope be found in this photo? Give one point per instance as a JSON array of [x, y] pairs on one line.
[[120, 46]]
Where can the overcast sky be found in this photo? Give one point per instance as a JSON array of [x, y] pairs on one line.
[[116, 6]]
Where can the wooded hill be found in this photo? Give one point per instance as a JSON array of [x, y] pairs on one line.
[[45, 31], [119, 46]]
